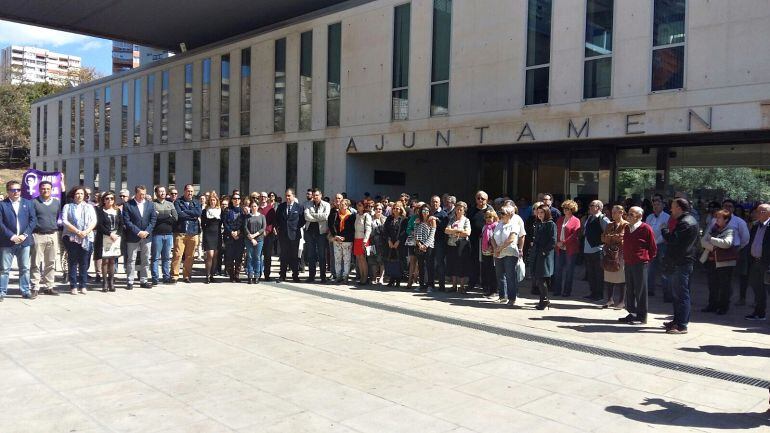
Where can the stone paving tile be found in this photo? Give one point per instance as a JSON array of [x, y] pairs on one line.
[[716, 397], [304, 422], [512, 370], [334, 401], [47, 418], [425, 396], [262, 408], [459, 357], [148, 416], [502, 391], [396, 419], [572, 411], [488, 417]]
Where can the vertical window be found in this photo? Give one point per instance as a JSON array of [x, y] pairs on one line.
[[597, 71], [401, 34], [124, 114], [97, 118], [56, 166], [82, 123], [306, 81], [150, 115], [45, 165], [188, 109], [37, 136], [60, 128], [538, 52], [107, 116], [45, 130], [111, 173], [224, 91], [96, 173], [442, 38], [73, 125], [333, 75], [245, 91], [668, 39], [224, 171], [245, 172], [164, 96], [137, 111], [171, 169], [291, 165], [279, 89], [123, 172], [319, 162], [81, 172], [156, 169], [196, 170], [205, 99]]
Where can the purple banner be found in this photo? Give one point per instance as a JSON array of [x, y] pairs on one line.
[[30, 183]]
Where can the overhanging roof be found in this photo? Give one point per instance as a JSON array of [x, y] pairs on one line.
[[162, 23]]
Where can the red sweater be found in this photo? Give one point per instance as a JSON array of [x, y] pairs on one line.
[[571, 232], [639, 246]]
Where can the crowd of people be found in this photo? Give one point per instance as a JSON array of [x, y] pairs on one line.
[[630, 250]]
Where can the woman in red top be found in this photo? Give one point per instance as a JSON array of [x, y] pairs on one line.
[[567, 248]]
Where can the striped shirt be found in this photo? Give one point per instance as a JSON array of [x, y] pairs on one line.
[[425, 234]]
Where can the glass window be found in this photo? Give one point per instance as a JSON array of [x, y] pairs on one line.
[[597, 71], [124, 172], [97, 107], [205, 99], [442, 37], [107, 116], [97, 174], [164, 96], [668, 44], [37, 136], [156, 169], [81, 172], [319, 163], [73, 126], [45, 130], [291, 165], [244, 169], [196, 170], [246, 91], [333, 74], [82, 123], [124, 114], [137, 111], [224, 171], [306, 81], [279, 90], [401, 34], [171, 169], [224, 101], [60, 127], [538, 52], [150, 117], [188, 108], [111, 173]]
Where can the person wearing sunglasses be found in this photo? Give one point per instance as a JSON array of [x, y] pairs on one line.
[[109, 225], [477, 215], [17, 222]]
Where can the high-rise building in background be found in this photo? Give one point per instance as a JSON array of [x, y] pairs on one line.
[[126, 56], [20, 64]]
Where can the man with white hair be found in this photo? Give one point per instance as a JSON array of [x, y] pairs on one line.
[[592, 250], [476, 216], [639, 249]]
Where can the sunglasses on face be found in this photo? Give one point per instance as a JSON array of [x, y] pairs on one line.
[[14, 190]]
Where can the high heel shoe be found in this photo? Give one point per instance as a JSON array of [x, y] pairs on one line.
[[542, 305]]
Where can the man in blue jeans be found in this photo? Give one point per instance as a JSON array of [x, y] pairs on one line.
[[163, 236], [316, 228], [680, 255], [17, 222]]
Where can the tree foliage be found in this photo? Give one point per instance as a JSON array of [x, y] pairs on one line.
[[707, 183]]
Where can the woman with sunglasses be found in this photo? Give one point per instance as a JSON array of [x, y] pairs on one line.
[[363, 232], [211, 227], [109, 224], [424, 236], [376, 259]]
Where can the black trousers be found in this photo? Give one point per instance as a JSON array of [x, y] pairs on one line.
[[636, 290], [424, 264], [289, 256], [267, 254], [595, 273], [757, 281], [720, 286]]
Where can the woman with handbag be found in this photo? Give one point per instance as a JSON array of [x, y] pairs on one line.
[[376, 258], [424, 237], [612, 260], [363, 233], [720, 257], [458, 255], [342, 230], [543, 245], [395, 236], [109, 224]]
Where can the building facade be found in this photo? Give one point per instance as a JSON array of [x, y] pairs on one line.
[[20, 64], [580, 98]]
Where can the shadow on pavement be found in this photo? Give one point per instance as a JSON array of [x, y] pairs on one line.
[[718, 350], [678, 414]]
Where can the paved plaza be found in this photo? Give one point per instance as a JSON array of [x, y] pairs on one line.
[[310, 358]]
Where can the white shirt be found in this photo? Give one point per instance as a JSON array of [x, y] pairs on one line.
[[636, 225], [140, 205], [502, 232], [657, 222], [16, 205]]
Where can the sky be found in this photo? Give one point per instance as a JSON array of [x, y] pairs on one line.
[[94, 52]]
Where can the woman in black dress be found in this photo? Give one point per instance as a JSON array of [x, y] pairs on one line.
[[395, 236], [211, 230], [109, 223]]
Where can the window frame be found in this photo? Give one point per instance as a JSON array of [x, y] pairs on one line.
[[603, 56], [431, 56], [540, 66], [653, 48]]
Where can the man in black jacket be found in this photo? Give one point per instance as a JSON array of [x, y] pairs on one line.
[[759, 259], [678, 261], [289, 220]]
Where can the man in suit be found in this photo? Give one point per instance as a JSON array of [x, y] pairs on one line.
[[759, 259], [289, 221], [17, 222], [139, 218], [316, 228]]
